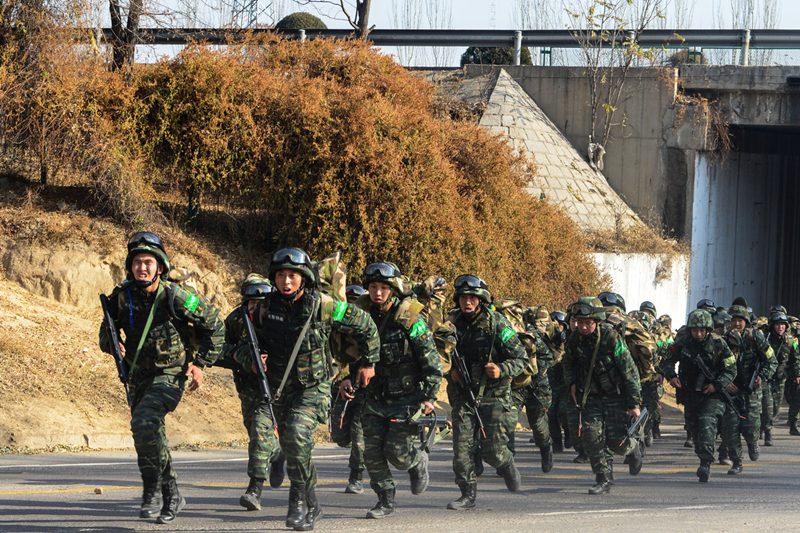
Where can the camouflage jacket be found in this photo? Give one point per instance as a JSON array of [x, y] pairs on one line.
[[786, 355], [544, 357], [164, 350], [713, 351], [278, 324], [489, 338], [409, 366], [614, 370], [749, 347]]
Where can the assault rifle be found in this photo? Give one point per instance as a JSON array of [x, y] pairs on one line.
[[466, 381], [426, 425], [633, 427], [751, 384], [258, 364], [351, 390], [707, 375], [113, 344]]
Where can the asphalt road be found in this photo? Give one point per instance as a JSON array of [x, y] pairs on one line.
[[52, 493]]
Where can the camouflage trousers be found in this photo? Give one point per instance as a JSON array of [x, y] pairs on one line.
[[153, 398], [771, 399], [299, 412], [793, 399], [733, 427], [387, 442], [703, 414], [574, 422], [535, 411], [651, 393], [557, 414], [605, 419], [347, 432], [499, 418], [263, 447]]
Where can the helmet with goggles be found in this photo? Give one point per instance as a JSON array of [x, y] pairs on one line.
[[145, 242], [471, 285], [383, 272]]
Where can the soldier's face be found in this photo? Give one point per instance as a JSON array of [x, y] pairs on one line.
[[699, 334], [738, 324], [145, 267], [587, 325], [251, 304], [779, 328], [573, 323], [288, 281], [379, 292], [468, 303]]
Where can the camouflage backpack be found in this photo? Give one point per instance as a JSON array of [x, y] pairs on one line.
[[640, 343], [187, 280], [332, 283], [550, 333], [515, 313]]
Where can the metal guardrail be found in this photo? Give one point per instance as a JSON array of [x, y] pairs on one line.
[[758, 39]]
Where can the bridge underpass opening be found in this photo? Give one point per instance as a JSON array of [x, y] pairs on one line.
[[746, 221]]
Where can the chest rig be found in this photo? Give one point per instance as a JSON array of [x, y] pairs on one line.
[[398, 370]]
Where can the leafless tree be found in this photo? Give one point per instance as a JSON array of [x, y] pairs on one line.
[[124, 36], [407, 15], [439, 15], [745, 14], [355, 12]]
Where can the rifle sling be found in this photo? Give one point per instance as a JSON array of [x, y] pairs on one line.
[[146, 329], [296, 350], [591, 370]]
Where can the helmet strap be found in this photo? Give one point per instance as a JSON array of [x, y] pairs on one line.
[[292, 295], [143, 284]]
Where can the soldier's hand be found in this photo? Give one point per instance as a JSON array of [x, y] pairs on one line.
[[122, 351], [758, 382], [492, 370], [346, 390], [454, 375], [798, 382], [675, 382], [634, 413], [197, 377], [709, 389], [427, 408], [732, 388], [574, 391], [659, 379], [364, 375]]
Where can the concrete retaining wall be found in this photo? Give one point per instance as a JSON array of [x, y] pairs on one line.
[[640, 277]]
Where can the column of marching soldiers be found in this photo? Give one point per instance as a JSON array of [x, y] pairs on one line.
[[306, 349]]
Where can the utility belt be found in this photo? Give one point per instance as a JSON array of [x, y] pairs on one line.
[[396, 381]]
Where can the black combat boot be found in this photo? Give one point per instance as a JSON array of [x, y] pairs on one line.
[[547, 458], [793, 428], [354, 485], [753, 451], [385, 505], [648, 438], [768, 437], [419, 475], [297, 505], [689, 442], [478, 459], [277, 472], [635, 458], [610, 473], [558, 446], [601, 484], [581, 457], [704, 471], [173, 502], [251, 499], [510, 476], [567, 440], [736, 468], [151, 497], [314, 512], [656, 430], [469, 491]]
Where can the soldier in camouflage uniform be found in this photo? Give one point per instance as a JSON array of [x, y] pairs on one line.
[[703, 407], [751, 350], [293, 325], [784, 344], [571, 406], [602, 378], [346, 429], [536, 396], [792, 387], [493, 355], [407, 378], [263, 448], [156, 318], [557, 415], [652, 391]]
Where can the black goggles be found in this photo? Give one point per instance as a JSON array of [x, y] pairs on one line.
[[609, 298], [706, 304], [294, 256], [146, 237], [579, 309], [469, 281], [257, 290], [558, 316], [779, 318], [382, 269]]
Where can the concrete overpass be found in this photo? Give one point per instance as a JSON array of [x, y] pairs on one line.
[[737, 206]]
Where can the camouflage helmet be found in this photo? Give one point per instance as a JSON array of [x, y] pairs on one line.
[[588, 307], [383, 272], [739, 311], [700, 318], [705, 303], [291, 258], [145, 242], [255, 287], [542, 313], [469, 284], [649, 308], [778, 318], [665, 321], [777, 310], [722, 319], [353, 292], [612, 299]]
